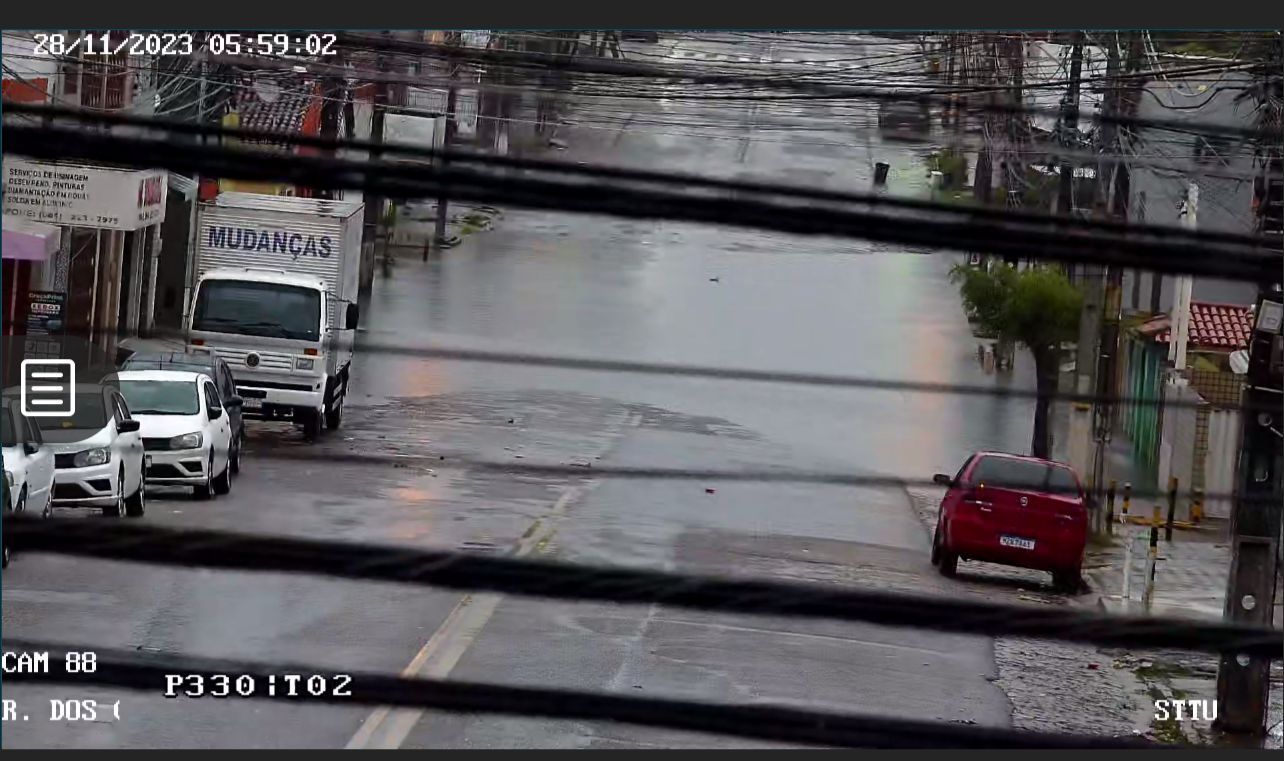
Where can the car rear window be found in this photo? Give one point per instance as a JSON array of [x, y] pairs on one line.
[[1010, 473]]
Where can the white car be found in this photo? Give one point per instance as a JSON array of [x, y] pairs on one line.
[[28, 464], [98, 454], [186, 431]]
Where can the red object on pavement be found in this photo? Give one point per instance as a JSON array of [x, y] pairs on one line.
[[1013, 510]]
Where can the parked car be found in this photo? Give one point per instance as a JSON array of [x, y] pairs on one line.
[[98, 454], [215, 367], [28, 464], [186, 431], [904, 120], [1014, 510]]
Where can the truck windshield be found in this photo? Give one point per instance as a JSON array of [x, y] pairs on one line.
[[258, 309]]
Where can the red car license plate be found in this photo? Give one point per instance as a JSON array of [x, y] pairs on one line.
[[1016, 541]]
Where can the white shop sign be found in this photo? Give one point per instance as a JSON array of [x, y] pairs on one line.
[[83, 196]]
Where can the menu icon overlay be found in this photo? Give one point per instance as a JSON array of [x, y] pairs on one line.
[[48, 387]]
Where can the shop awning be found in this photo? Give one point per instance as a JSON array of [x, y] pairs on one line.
[[29, 241]]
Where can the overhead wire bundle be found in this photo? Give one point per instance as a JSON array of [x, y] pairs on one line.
[[547, 185]]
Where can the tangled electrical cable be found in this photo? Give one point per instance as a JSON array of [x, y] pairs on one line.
[[548, 62]]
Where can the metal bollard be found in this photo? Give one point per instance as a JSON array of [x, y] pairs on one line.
[[1152, 557], [1110, 506], [1123, 514], [1197, 506], [1172, 509], [1129, 540]]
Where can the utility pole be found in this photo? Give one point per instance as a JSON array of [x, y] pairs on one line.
[[331, 109], [1185, 287], [1069, 137], [1080, 434], [1114, 194], [448, 136], [374, 203], [1242, 682], [1070, 127]]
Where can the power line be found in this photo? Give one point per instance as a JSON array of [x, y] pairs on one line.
[[669, 178], [1165, 251], [151, 673], [154, 545], [619, 68], [683, 96]]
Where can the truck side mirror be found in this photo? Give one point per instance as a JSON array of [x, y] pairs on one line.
[[352, 316]]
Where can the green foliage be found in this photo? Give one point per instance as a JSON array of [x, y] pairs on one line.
[[1037, 307]]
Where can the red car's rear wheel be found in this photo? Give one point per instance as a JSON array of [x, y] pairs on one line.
[[942, 558]]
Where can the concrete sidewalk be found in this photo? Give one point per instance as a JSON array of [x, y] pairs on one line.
[[1190, 573]]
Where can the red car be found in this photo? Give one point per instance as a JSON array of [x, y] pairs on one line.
[[1013, 510]]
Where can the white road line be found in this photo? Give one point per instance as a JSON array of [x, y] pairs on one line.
[[701, 55], [745, 59], [387, 728], [788, 60]]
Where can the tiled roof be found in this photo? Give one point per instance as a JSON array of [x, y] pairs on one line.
[[1216, 326], [284, 113]]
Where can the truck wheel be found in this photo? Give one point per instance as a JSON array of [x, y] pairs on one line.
[[311, 423]]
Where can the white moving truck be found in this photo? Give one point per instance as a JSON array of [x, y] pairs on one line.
[[276, 298]]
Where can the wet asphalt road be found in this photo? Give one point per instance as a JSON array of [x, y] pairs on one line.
[[595, 287]]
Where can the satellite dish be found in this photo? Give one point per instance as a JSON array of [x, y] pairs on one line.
[[1239, 362]]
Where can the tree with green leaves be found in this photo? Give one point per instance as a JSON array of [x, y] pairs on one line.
[[1037, 308]]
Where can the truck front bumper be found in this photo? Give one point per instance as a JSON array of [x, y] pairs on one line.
[[276, 403]]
